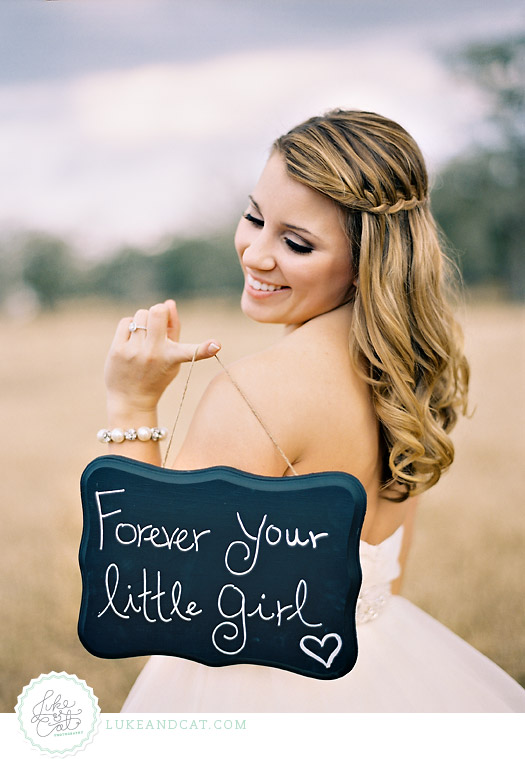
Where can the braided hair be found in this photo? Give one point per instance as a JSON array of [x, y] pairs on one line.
[[404, 339]]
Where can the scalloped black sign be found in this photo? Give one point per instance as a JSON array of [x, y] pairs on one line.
[[221, 566]]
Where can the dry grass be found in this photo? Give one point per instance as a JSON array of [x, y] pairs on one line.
[[467, 564]]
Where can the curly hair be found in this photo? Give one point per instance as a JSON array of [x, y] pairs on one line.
[[405, 341]]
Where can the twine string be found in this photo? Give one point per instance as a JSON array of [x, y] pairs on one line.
[[180, 408], [246, 400]]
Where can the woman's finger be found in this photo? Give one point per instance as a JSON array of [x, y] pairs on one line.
[[158, 319], [138, 327], [122, 332], [173, 321], [182, 352]]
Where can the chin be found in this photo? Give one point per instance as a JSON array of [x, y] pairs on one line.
[[258, 315], [260, 312]]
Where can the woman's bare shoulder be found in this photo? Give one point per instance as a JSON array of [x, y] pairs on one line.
[[295, 369], [254, 396], [296, 388]]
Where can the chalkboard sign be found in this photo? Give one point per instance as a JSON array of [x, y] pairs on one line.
[[221, 566]]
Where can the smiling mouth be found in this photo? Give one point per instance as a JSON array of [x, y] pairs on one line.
[[264, 286]]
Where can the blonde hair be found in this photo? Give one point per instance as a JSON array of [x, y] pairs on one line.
[[405, 341]]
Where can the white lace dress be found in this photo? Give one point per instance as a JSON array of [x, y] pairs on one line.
[[407, 662]]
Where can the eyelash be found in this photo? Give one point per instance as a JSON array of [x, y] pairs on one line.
[[302, 249], [254, 220]]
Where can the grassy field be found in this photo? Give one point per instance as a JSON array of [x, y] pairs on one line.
[[468, 560]]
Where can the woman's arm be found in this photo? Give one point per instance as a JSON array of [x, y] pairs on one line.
[[139, 367]]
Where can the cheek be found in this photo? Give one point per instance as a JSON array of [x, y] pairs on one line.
[[337, 279], [343, 275], [342, 269]]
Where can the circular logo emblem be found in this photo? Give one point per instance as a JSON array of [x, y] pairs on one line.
[[58, 714]]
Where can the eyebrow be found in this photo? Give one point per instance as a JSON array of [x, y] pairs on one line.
[[288, 226]]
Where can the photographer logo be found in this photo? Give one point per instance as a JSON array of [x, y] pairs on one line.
[[58, 714]]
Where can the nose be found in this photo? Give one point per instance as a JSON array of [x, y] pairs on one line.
[[258, 254]]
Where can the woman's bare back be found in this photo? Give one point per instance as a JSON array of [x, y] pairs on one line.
[[319, 411]]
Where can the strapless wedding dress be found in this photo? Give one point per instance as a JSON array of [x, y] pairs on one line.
[[407, 662]]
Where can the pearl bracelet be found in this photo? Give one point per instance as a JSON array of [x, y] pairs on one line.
[[118, 435]]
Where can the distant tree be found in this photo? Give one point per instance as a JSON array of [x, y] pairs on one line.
[[128, 274], [47, 266], [6, 271], [186, 267], [480, 199], [498, 68], [198, 267], [475, 205]]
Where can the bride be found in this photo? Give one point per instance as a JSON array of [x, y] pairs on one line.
[[337, 244]]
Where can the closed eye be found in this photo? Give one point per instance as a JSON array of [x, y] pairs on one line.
[[253, 219], [295, 246], [304, 249]]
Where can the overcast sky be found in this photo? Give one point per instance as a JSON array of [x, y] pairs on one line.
[[122, 121]]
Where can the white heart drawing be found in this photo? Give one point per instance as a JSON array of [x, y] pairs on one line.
[[332, 656]]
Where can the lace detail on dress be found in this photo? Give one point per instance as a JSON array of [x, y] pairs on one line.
[[379, 565], [370, 602]]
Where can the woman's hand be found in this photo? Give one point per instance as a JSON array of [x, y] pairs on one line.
[[141, 364]]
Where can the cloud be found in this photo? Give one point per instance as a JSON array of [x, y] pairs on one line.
[[126, 156]]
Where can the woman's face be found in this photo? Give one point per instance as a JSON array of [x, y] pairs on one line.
[[293, 250]]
